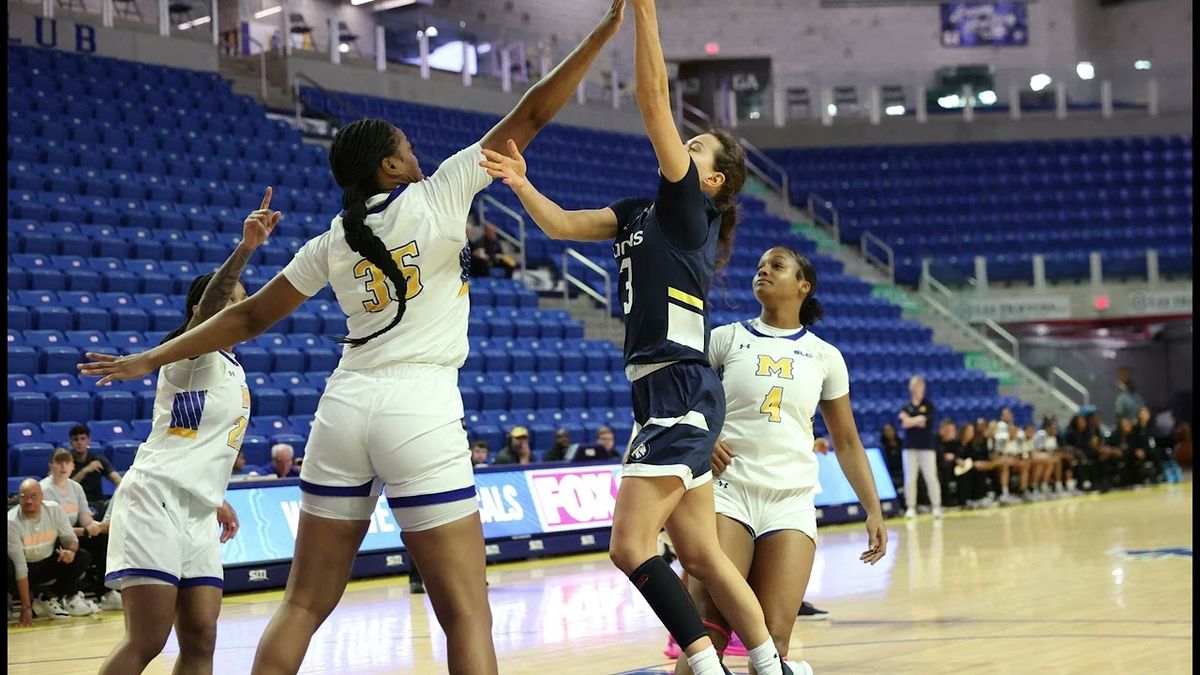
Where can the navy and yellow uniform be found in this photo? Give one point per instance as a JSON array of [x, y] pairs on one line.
[[666, 254]]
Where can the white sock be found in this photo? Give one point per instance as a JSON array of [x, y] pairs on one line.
[[1003, 490], [1058, 487], [705, 662], [1070, 483], [765, 659]]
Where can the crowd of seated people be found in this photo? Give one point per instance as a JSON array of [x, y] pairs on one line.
[[518, 450], [988, 463]]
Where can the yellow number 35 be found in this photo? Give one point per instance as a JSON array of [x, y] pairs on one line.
[[376, 282]]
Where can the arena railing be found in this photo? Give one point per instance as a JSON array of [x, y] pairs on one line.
[[517, 240], [1059, 373], [888, 263], [829, 222], [570, 280]]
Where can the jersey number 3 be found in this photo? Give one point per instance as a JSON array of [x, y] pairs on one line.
[[627, 272], [771, 404], [376, 282]]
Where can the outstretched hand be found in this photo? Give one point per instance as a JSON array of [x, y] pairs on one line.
[[510, 168], [259, 224], [877, 538], [611, 23], [110, 368]]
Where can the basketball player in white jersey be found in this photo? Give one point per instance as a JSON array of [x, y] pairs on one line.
[[776, 373], [163, 552], [391, 415]]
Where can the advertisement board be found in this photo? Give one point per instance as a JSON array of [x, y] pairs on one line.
[[513, 504]]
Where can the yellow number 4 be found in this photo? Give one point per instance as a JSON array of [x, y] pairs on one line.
[[771, 404], [376, 282]]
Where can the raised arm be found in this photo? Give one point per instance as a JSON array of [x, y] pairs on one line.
[[255, 230], [542, 102], [653, 95], [555, 221]]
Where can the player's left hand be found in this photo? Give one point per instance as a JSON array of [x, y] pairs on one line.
[[259, 224], [877, 538], [228, 519], [66, 556], [110, 368]]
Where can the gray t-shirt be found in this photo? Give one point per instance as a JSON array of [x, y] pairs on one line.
[[33, 540], [71, 498]]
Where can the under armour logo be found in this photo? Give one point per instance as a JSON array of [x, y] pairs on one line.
[[745, 345], [639, 452]]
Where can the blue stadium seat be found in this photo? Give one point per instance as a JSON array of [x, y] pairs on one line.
[[24, 432], [32, 459], [29, 407]]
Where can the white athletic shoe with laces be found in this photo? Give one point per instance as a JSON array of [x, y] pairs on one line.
[[111, 600], [799, 667], [77, 605], [52, 608]]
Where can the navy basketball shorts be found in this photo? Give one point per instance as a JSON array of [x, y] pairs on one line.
[[678, 413]]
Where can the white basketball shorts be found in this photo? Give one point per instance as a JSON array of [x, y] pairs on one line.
[[396, 429], [765, 511], [163, 534]]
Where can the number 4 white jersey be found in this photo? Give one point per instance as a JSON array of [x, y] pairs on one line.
[[201, 409], [774, 379], [424, 225]]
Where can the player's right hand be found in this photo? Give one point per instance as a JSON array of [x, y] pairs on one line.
[[722, 455], [110, 368], [259, 224], [509, 168]]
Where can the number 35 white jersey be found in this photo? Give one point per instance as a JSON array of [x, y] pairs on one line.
[[774, 379], [201, 409], [424, 225]]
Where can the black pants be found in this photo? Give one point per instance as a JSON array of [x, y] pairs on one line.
[[67, 577], [97, 548]]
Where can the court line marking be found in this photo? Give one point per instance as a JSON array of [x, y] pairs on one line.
[[1041, 636]]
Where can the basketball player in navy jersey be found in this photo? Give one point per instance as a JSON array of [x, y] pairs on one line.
[[667, 250]]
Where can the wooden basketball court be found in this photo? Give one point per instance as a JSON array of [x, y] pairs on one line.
[[1094, 584]]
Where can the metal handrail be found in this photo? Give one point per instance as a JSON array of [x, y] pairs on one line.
[[831, 223], [689, 108], [571, 280], [519, 240], [1008, 337], [889, 264], [782, 184], [329, 117], [262, 66], [1071, 382]]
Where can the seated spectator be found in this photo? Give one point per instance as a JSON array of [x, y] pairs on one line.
[[239, 464], [562, 449], [1110, 455], [1010, 450], [1044, 465], [1130, 459], [1153, 459], [600, 450], [893, 454], [91, 533], [974, 465], [479, 453], [517, 451], [1063, 458], [947, 451], [283, 464], [1085, 446], [89, 467], [42, 548], [487, 251]]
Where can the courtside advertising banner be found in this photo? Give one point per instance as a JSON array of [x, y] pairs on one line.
[[518, 503]]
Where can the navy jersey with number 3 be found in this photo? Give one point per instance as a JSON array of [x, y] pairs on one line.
[[666, 251]]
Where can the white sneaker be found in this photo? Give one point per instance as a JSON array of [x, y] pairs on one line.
[[111, 600], [799, 667], [937, 513], [52, 608], [910, 513], [77, 605]]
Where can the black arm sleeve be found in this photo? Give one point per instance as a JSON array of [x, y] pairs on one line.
[[682, 210]]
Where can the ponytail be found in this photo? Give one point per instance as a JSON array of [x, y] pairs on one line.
[[811, 311], [363, 241], [729, 221], [195, 292], [730, 162], [354, 158]]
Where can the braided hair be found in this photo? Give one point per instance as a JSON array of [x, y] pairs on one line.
[[810, 310], [354, 158], [195, 292], [730, 161]]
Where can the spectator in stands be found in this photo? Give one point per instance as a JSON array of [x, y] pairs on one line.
[[1128, 401], [916, 418], [479, 453], [1011, 451], [893, 449], [1064, 459], [1042, 466], [947, 451], [975, 465], [488, 251], [89, 467], [563, 449], [517, 451], [1110, 456], [1130, 459], [601, 449], [1142, 440], [1085, 445], [239, 464], [42, 548], [91, 533], [283, 464]]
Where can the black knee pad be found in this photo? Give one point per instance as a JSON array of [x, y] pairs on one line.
[[665, 594]]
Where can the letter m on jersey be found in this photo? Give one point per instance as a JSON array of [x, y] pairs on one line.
[[186, 411], [768, 367]]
